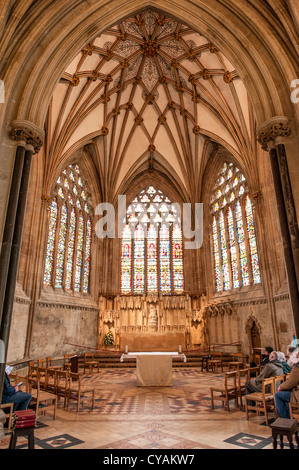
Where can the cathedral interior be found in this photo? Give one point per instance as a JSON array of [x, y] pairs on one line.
[[149, 159]]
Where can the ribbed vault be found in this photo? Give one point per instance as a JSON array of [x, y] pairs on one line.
[[148, 93]]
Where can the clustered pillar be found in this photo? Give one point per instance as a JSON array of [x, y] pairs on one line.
[[271, 136], [29, 141]]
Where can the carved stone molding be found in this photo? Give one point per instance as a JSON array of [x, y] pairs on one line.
[[46, 304], [27, 134], [271, 130], [221, 309]]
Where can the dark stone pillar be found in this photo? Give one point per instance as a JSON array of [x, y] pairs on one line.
[[14, 260], [10, 222], [289, 205], [286, 237]]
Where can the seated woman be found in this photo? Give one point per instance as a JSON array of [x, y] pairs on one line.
[[283, 394], [13, 395]]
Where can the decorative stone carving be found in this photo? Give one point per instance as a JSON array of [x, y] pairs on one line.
[[26, 133], [152, 319], [271, 130]]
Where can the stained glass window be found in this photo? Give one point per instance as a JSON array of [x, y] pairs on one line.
[[242, 244], [79, 256], [51, 244], [152, 268], [224, 253], [139, 261], [165, 270], [217, 264], [61, 247], [87, 257], [177, 256], [235, 251], [68, 253], [252, 242], [152, 246]]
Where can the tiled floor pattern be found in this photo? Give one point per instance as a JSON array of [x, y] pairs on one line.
[[130, 417]]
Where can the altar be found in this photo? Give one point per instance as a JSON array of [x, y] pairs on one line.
[[153, 369]]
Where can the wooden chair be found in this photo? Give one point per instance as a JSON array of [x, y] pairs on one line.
[[49, 400], [243, 375], [228, 392], [42, 377], [40, 363], [261, 399], [90, 363], [237, 362], [78, 392], [49, 364], [254, 371], [62, 385], [294, 411], [51, 381], [32, 369], [8, 406], [215, 362], [66, 363]]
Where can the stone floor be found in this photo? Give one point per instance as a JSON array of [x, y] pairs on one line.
[[130, 417]]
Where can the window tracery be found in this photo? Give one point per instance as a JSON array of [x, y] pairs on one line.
[[235, 252], [152, 246], [68, 254]]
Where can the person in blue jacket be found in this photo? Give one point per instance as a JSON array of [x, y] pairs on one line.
[[13, 395]]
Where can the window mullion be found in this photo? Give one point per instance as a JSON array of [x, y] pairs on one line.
[[220, 251], [55, 252], [248, 252]]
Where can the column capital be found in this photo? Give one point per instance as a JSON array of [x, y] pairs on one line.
[[27, 135], [275, 128]]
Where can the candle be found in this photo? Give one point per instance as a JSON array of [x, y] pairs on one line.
[[180, 348], [126, 349]]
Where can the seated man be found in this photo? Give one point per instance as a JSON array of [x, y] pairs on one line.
[[283, 394], [12, 394], [271, 369]]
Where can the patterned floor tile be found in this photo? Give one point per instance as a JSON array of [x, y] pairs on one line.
[[249, 441]]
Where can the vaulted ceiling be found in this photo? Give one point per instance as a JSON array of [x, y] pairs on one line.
[[148, 93]]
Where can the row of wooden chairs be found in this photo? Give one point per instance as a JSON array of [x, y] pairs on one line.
[[233, 387], [62, 383], [263, 402], [89, 363], [216, 362]]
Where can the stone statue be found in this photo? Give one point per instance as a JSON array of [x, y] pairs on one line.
[[152, 319]]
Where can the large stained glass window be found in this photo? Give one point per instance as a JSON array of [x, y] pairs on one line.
[[68, 254], [233, 238], [152, 246]]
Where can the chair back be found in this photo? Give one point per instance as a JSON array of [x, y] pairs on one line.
[[230, 381], [66, 357], [48, 361], [278, 379], [217, 355], [238, 357], [40, 363], [33, 370], [74, 377], [62, 377], [88, 357], [243, 377], [268, 386]]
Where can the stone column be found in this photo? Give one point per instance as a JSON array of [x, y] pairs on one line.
[[270, 136], [32, 137]]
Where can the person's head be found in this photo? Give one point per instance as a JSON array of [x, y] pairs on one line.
[[281, 357], [273, 356], [268, 350], [295, 357], [290, 349]]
